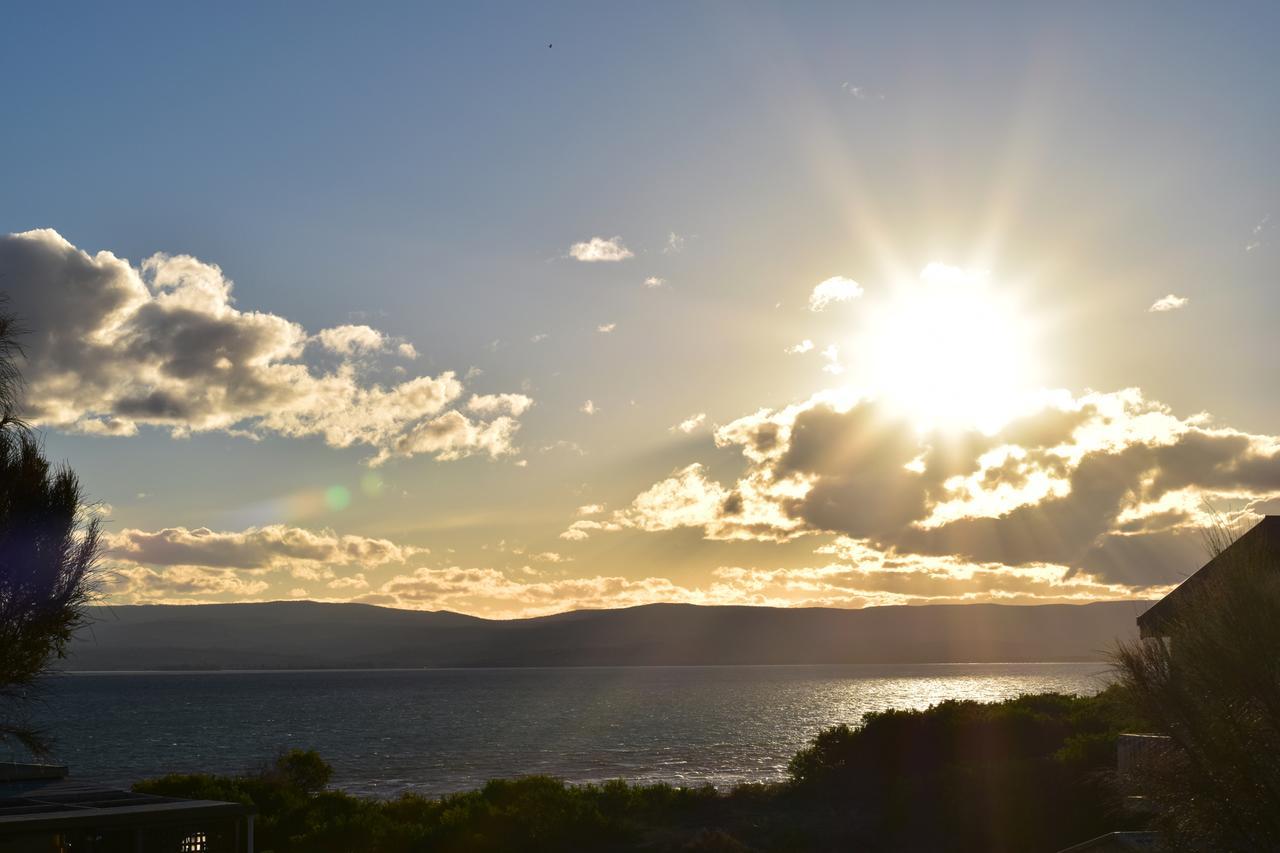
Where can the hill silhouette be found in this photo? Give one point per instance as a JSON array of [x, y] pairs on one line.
[[303, 634]]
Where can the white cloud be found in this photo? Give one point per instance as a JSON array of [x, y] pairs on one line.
[[687, 498], [407, 350], [606, 328], [600, 249], [353, 582], [590, 509], [832, 355], [675, 244], [691, 423], [539, 338], [177, 585], [117, 347], [860, 92], [181, 565], [490, 405], [1168, 303], [799, 349], [583, 527], [453, 435], [653, 281], [273, 547], [589, 408], [835, 289], [350, 340]]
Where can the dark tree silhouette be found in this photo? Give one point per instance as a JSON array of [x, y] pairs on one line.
[[49, 549], [1213, 687]]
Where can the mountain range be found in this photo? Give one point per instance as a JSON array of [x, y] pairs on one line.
[[304, 634]]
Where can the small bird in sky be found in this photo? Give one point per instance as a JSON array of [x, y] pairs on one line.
[[548, 45]]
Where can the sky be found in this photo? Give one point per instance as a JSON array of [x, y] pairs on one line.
[[511, 309]]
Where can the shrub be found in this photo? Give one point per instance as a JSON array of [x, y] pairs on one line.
[[1027, 773]]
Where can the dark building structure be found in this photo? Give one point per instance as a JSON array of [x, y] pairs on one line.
[[1261, 541], [43, 811], [1260, 545]]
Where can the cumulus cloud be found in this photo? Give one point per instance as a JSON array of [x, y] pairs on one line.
[[685, 499], [267, 548], [114, 347], [799, 349], [350, 582], [350, 340], [589, 408], [179, 564], [606, 328], [1168, 303], [177, 585], [833, 290], [653, 281], [600, 249], [675, 244], [1107, 486], [453, 436], [691, 423], [499, 404]]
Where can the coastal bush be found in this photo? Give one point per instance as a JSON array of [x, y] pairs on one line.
[[1024, 774], [535, 813]]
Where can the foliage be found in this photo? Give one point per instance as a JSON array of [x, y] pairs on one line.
[[49, 551], [535, 813], [1023, 774], [1213, 687], [304, 769]]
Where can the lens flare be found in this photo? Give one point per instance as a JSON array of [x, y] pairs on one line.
[[337, 497]]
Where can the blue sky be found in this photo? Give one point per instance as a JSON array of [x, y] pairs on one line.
[[423, 171]]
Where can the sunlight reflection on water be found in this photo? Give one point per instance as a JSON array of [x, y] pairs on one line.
[[435, 731]]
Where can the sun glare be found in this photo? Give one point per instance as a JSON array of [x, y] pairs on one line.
[[950, 350]]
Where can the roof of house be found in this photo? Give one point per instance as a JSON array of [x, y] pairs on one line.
[[1263, 536], [36, 797]]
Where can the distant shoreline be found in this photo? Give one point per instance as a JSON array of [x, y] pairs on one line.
[[322, 669]]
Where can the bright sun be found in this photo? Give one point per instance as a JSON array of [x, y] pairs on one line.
[[949, 351]]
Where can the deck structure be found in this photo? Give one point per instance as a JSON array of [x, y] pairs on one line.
[[42, 810]]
